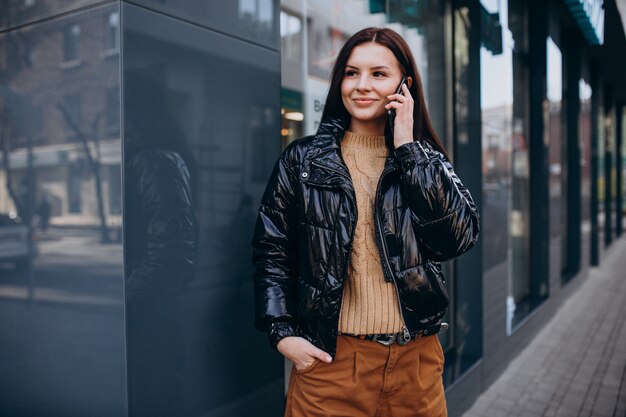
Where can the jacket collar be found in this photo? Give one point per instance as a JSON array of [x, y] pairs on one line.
[[330, 132], [327, 144]]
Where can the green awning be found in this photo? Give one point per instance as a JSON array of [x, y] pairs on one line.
[[589, 16]]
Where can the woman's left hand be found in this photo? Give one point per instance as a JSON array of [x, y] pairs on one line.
[[403, 123]]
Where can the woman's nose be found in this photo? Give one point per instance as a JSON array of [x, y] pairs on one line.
[[363, 84]]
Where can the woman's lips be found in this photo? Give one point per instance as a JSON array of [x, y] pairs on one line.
[[364, 101]]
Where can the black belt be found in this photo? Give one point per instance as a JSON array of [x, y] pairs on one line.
[[388, 339]]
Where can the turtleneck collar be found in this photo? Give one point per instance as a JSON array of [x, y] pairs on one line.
[[370, 142]]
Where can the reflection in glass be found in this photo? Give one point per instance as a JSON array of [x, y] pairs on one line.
[[554, 129], [584, 140], [457, 314], [201, 135], [622, 210], [253, 20], [601, 186], [519, 274], [15, 13], [62, 329], [160, 243], [497, 140]]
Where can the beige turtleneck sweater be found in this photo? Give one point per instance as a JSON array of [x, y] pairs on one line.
[[370, 304]]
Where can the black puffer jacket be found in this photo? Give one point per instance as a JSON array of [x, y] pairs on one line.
[[304, 231]]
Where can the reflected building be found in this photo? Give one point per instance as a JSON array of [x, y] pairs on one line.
[[136, 139], [63, 308]]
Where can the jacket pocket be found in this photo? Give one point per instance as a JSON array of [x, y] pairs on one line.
[[422, 291]]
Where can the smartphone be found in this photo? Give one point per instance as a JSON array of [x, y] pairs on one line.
[[392, 112]]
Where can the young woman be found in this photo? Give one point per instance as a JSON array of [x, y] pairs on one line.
[[351, 229]]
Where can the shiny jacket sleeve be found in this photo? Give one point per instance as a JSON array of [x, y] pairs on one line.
[[274, 254], [445, 217]]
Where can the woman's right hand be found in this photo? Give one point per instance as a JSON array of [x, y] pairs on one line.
[[301, 352]]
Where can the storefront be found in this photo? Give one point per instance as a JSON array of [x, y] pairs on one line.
[[94, 96]]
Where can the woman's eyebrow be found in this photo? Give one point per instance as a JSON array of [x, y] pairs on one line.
[[372, 68]]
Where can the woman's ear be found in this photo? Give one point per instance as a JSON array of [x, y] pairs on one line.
[[409, 81]]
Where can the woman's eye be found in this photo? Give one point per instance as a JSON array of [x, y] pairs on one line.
[[379, 74], [350, 73]]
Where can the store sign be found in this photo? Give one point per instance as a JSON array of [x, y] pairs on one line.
[[314, 104], [589, 16]]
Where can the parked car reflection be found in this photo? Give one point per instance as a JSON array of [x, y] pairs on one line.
[[17, 243]]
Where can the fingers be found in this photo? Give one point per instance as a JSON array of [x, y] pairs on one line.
[[300, 350], [393, 105], [405, 96], [399, 101], [397, 98], [399, 105], [321, 355]]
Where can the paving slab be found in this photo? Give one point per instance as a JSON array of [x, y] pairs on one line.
[[576, 365]]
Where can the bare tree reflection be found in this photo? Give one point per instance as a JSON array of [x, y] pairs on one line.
[[93, 161]]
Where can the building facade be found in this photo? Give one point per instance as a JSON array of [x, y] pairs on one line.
[[107, 310]]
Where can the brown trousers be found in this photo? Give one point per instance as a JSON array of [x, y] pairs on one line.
[[368, 379]]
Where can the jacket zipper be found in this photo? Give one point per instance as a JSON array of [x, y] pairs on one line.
[[330, 169], [381, 245], [353, 219], [383, 249]]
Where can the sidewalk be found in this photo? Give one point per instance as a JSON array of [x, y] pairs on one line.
[[576, 365]]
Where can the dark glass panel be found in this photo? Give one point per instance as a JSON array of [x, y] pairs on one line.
[[19, 12], [253, 20], [201, 135], [61, 266]]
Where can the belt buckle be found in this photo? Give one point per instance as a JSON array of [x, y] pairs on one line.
[[402, 340], [389, 339]]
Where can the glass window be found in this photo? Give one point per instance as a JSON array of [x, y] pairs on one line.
[[601, 182], [519, 275], [496, 81], [554, 131], [584, 144]]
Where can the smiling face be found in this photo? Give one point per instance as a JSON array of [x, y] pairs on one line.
[[371, 74]]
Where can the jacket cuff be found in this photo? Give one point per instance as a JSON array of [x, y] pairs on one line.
[[278, 330], [416, 152]]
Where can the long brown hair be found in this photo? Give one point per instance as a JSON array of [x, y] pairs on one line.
[[422, 126]]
